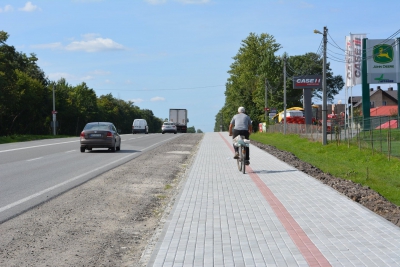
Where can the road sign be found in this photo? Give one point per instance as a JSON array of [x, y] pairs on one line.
[[54, 112], [266, 109]]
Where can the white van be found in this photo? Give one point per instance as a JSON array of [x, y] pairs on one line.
[[140, 126]]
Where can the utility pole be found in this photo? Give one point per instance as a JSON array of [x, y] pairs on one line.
[[324, 94], [284, 94], [266, 101], [54, 112]]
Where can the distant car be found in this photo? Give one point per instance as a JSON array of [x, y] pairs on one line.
[[100, 135], [168, 127], [140, 126]]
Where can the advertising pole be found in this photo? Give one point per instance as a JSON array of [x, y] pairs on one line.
[[398, 81], [365, 87]]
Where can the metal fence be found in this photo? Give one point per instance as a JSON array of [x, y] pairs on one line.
[[380, 134]]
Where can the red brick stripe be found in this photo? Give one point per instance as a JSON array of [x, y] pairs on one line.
[[307, 248]]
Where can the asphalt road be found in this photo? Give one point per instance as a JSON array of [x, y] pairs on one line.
[[36, 171]]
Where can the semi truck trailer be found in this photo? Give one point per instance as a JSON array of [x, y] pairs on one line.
[[179, 118]]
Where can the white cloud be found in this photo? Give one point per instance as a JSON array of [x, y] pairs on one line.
[[80, 77], [7, 8], [94, 45], [157, 98], [91, 43], [90, 36], [86, 78], [29, 7], [137, 100]]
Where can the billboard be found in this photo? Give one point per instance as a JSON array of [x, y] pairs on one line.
[[383, 61], [353, 59], [307, 81]]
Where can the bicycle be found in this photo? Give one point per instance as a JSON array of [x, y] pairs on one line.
[[242, 144]]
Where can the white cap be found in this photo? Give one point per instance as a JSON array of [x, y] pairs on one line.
[[241, 110]]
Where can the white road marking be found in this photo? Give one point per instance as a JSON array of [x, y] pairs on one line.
[[34, 159], [178, 152], [21, 148], [57, 186], [70, 180], [70, 151]]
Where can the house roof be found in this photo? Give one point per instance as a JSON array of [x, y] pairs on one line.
[[389, 124], [392, 93], [358, 99], [354, 99], [383, 111]]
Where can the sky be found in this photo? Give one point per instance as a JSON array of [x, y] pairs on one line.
[[164, 54]]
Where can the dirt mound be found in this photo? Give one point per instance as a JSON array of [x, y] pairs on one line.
[[358, 193]]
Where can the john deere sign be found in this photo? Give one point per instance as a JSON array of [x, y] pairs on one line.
[[383, 54], [383, 61]]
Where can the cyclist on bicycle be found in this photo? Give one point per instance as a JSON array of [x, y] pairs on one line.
[[241, 125]]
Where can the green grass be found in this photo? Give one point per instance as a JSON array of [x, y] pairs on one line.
[[351, 163], [23, 138], [168, 186]]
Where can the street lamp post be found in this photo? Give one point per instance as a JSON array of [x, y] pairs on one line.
[[324, 93]]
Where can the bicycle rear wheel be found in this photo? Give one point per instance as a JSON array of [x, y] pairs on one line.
[[239, 160]]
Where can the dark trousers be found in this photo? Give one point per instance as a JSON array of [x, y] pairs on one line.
[[244, 133]]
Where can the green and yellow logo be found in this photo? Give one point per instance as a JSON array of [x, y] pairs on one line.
[[383, 53]]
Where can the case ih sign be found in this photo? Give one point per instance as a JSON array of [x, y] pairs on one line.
[[307, 81]]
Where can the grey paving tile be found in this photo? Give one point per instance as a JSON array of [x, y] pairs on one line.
[[222, 217]]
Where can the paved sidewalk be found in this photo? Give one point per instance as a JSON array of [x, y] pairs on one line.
[[274, 215]]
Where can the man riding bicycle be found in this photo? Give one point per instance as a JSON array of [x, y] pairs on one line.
[[241, 125]]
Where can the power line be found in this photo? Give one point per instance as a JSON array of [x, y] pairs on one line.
[[337, 46], [385, 41], [336, 59], [336, 53], [319, 48]]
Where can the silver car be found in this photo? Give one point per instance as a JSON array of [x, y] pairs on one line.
[[168, 127], [100, 135]]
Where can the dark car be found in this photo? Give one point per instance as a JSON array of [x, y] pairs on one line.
[[168, 127], [100, 135]]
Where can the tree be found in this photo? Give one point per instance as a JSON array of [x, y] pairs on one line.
[[26, 100], [23, 91], [256, 66], [191, 130], [311, 64], [153, 122], [253, 64], [199, 131]]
